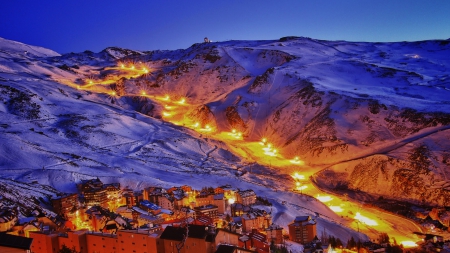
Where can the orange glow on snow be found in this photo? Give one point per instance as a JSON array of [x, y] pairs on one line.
[[336, 209], [408, 244], [365, 220], [324, 199], [176, 110]]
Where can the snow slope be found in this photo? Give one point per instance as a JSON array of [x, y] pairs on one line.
[[371, 117], [328, 102], [53, 136]]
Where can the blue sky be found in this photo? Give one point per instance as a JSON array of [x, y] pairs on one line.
[[74, 26]]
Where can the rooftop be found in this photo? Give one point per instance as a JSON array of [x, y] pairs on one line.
[[13, 241]]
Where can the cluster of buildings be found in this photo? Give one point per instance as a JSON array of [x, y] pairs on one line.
[[105, 218]]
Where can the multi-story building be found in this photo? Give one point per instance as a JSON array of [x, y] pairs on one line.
[[275, 234], [199, 239], [132, 199], [167, 202], [153, 194], [302, 229], [227, 237], [113, 191], [220, 202], [8, 218], [204, 199], [257, 241], [14, 244], [124, 241], [211, 211], [44, 242], [65, 204], [252, 221], [247, 197], [94, 193], [224, 248]]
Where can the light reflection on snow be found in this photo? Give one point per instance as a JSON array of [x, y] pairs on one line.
[[324, 198], [365, 220], [336, 209], [408, 244]]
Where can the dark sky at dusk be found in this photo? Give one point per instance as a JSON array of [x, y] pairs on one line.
[[74, 26]]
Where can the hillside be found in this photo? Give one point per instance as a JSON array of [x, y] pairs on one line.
[[369, 118], [334, 104]]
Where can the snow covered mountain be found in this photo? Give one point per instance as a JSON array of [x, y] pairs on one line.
[[375, 114], [369, 118]]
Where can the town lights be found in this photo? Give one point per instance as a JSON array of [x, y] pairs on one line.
[[297, 176], [182, 101], [143, 93], [132, 66], [196, 125], [167, 114], [235, 134], [122, 66], [166, 98], [296, 160], [113, 93], [263, 141], [231, 201]]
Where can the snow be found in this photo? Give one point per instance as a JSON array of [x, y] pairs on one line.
[[16, 48], [81, 134]]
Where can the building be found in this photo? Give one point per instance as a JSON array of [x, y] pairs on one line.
[[167, 202], [275, 234], [150, 207], [220, 202], [124, 241], [8, 218], [251, 221], [203, 220], [204, 199], [65, 204], [256, 241], [200, 239], [13, 243], [153, 194], [132, 199], [44, 242], [94, 192], [227, 237], [223, 248], [302, 229], [247, 197], [210, 211]]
